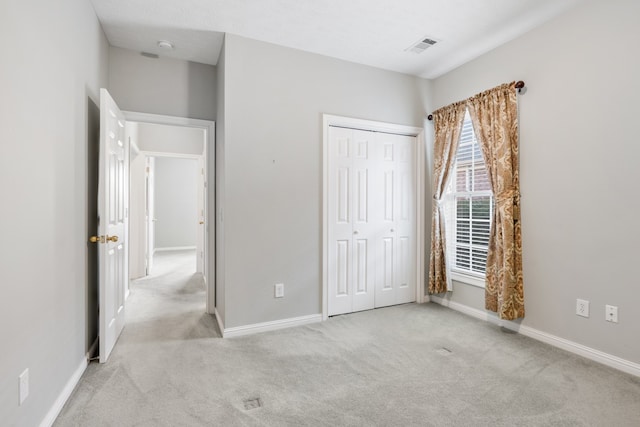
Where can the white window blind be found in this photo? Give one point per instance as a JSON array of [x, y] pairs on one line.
[[468, 207]]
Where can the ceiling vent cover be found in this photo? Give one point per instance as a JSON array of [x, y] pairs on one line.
[[421, 45]]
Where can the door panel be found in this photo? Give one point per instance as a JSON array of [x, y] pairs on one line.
[[364, 224], [112, 211], [404, 224], [339, 214]]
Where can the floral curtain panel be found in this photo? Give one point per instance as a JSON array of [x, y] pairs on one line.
[[448, 124], [494, 114]]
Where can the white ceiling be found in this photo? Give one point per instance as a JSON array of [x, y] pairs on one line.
[[371, 32]]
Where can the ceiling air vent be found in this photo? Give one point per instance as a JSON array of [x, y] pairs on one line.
[[149, 55], [421, 45]]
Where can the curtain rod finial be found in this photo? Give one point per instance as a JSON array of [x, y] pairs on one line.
[[430, 117], [519, 85]]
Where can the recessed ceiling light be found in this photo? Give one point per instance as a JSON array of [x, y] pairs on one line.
[[166, 45]]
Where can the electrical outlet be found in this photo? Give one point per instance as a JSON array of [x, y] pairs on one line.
[[582, 308], [23, 387], [279, 290], [611, 313]]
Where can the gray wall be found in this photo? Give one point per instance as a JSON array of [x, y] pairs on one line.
[[137, 208], [273, 168], [175, 200], [170, 139], [579, 177], [162, 86], [50, 74], [218, 252]]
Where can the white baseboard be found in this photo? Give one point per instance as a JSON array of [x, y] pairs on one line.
[[54, 411], [269, 326], [220, 322], [570, 346], [175, 248]]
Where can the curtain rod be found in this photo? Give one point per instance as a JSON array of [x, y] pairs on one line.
[[519, 85]]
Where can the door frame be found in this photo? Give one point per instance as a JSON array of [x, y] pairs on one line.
[[374, 126], [209, 162]]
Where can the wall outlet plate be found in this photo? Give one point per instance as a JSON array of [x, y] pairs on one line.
[[611, 313], [582, 307]]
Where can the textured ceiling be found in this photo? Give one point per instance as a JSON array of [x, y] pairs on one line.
[[371, 32]]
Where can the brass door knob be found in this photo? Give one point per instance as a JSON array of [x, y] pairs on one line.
[[112, 239], [201, 222], [96, 239]]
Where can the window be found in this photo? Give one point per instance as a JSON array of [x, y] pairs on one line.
[[468, 209]]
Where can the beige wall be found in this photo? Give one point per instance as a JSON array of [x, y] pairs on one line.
[[51, 70], [579, 177]]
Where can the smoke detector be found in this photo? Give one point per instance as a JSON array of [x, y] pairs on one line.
[[421, 45]]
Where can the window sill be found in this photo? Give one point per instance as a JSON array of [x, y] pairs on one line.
[[467, 279]]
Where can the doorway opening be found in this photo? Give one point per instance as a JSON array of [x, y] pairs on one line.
[[168, 235]]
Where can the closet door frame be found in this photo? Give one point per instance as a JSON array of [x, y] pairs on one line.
[[420, 195]]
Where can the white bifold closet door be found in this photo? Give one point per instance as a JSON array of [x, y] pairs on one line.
[[371, 219]]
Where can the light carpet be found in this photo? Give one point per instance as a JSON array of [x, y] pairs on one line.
[[409, 365]]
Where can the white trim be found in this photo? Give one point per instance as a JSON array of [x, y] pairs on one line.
[[174, 248], [159, 119], [133, 146], [369, 125], [564, 344], [467, 279], [420, 221], [64, 395], [220, 322], [268, 326], [171, 154]]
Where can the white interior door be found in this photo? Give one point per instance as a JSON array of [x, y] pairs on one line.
[[112, 211], [371, 217]]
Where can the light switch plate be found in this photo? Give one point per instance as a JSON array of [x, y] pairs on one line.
[[279, 290]]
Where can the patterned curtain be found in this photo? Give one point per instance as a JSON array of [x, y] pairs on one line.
[[494, 114], [448, 125]]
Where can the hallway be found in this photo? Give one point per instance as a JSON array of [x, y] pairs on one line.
[[169, 304]]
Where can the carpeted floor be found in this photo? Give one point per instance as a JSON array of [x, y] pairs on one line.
[[422, 365]]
